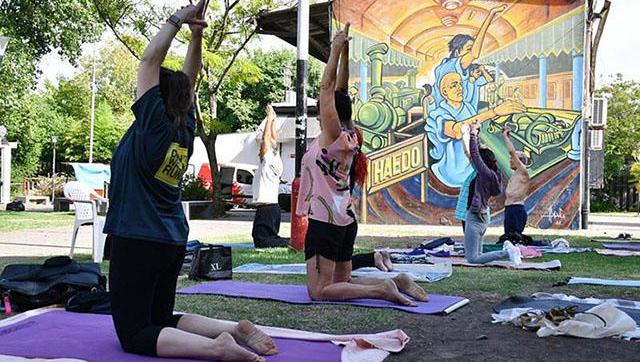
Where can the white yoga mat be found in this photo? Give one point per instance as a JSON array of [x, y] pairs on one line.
[[611, 282], [419, 272]]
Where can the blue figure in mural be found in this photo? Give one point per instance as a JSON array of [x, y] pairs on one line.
[[478, 78], [574, 154], [452, 167], [464, 50], [444, 129]]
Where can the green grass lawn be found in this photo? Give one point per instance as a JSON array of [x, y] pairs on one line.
[[14, 221], [470, 282]]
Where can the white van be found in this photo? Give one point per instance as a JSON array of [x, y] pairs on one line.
[[236, 180]]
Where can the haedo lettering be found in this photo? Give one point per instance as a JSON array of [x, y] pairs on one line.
[[396, 164]]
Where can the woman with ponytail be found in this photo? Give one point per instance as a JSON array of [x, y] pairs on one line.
[[146, 223], [486, 185], [330, 168]]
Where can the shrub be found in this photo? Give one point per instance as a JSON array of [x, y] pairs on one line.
[[194, 188]]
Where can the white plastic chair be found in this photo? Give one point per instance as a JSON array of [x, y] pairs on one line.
[[86, 202]]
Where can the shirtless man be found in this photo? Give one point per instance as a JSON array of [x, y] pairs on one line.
[[515, 215]]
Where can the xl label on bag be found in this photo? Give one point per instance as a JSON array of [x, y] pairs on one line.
[[211, 262]]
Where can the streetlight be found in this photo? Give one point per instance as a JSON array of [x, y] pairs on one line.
[[54, 140], [3, 133], [93, 106], [4, 42]]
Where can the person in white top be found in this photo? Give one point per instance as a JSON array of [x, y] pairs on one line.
[[266, 183]]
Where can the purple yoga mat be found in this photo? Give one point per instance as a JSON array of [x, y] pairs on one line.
[[91, 337], [297, 294], [624, 246]]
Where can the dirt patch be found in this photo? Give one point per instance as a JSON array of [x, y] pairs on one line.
[[468, 334]]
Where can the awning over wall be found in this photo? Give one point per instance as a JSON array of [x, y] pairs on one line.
[[565, 35], [358, 52], [283, 24]]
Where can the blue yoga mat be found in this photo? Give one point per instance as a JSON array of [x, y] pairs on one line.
[[622, 246]]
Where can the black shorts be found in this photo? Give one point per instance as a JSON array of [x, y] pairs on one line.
[[331, 241]]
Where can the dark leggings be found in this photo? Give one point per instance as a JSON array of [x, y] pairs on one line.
[[142, 282], [266, 226], [362, 261], [515, 219]]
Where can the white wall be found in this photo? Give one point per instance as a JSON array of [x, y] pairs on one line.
[[230, 148], [288, 152], [243, 148], [289, 164]]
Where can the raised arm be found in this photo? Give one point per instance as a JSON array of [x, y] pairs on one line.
[[506, 133], [343, 70], [267, 134], [465, 140], [193, 59], [274, 132], [474, 150], [468, 58], [156, 51], [329, 120]]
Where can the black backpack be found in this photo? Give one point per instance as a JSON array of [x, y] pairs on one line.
[[30, 286], [15, 206], [518, 238], [95, 302]]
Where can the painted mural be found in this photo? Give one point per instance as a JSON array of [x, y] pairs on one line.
[[419, 67]]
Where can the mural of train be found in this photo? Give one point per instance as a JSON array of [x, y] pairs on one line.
[[403, 57]]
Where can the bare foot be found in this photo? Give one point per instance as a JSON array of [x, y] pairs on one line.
[[386, 259], [231, 351], [378, 259], [406, 285], [248, 334], [391, 293]]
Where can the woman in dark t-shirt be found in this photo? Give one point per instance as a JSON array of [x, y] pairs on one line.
[[146, 224]]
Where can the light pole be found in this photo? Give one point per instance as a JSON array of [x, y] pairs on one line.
[[93, 107], [54, 140], [4, 42], [298, 224]]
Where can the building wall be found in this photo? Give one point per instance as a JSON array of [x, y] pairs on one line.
[[242, 148], [532, 52], [230, 148]]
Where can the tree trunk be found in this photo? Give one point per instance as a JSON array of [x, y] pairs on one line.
[[218, 202], [209, 140]]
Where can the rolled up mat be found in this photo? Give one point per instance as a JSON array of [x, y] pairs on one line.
[[297, 294], [548, 304], [624, 246], [91, 337]]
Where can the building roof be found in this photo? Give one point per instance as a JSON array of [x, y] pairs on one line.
[[283, 24]]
